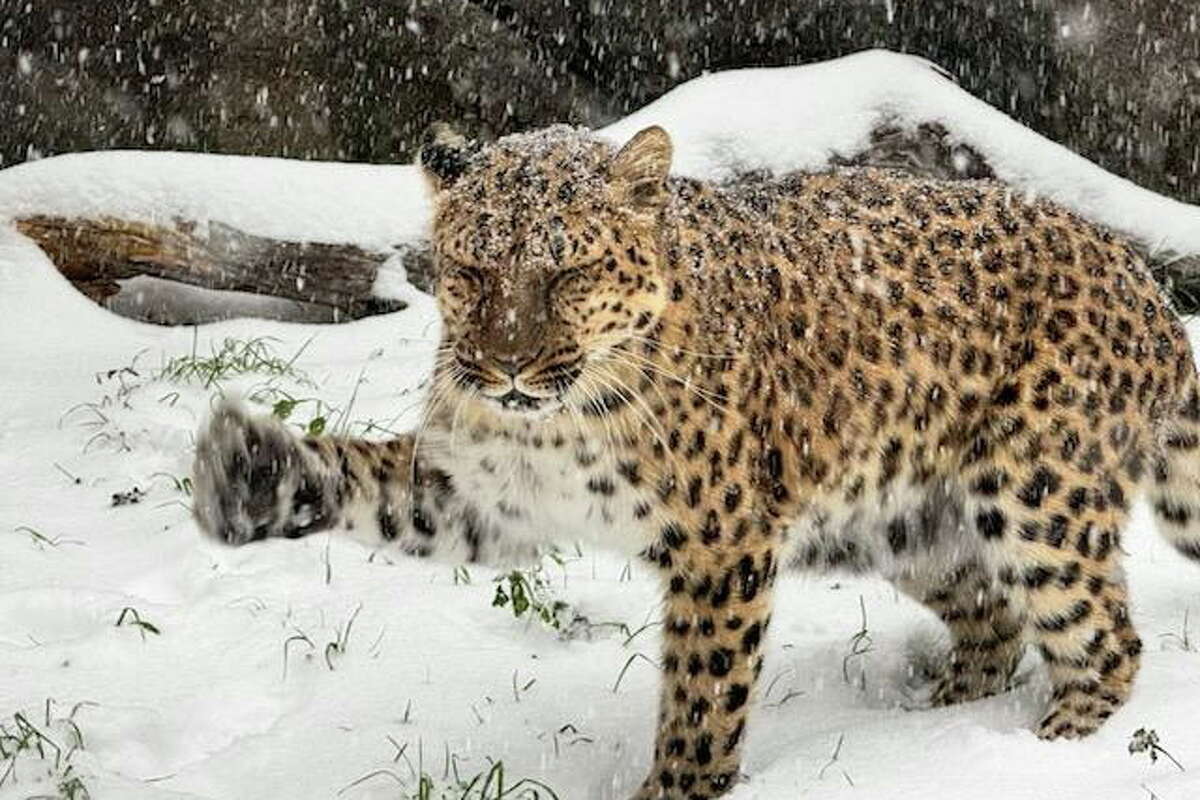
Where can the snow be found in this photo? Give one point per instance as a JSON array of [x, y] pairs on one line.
[[226, 702], [375, 206], [795, 118]]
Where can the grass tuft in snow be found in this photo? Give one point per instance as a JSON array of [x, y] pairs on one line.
[[860, 645], [73, 478], [283, 405], [333, 650], [1146, 741], [129, 617], [1183, 639], [341, 639], [232, 358], [489, 784], [41, 540], [529, 594], [326, 417], [833, 759], [629, 663], [299, 637], [181, 483], [41, 754]]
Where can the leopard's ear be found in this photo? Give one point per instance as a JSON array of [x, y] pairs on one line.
[[639, 171], [445, 155]]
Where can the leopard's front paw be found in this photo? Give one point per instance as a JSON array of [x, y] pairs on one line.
[[685, 781], [254, 478]]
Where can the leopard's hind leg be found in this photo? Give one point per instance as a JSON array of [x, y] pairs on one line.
[[1175, 472], [985, 630], [1049, 508]]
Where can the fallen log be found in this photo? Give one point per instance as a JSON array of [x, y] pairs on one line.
[[97, 254]]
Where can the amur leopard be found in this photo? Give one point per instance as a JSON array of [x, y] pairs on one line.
[[950, 384]]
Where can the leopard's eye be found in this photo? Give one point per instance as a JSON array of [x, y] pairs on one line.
[[460, 290], [565, 280], [574, 279], [462, 280], [467, 274]]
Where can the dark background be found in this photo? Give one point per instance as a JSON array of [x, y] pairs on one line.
[[1116, 80]]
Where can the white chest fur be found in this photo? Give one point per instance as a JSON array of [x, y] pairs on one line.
[[544, 490]]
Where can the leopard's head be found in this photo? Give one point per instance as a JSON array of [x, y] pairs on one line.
[[547, 257]]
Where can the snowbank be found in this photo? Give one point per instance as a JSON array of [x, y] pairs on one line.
[[796, 117]]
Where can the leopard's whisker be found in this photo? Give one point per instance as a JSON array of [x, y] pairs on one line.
[[639, 407]]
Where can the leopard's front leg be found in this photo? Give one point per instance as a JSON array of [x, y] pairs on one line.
[[718, 607], [256, 478]]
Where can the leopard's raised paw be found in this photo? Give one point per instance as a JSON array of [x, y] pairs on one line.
[[253, 479]]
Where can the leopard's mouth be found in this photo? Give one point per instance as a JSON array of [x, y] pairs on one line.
[[516, 403], [527, 393], [516, 400]]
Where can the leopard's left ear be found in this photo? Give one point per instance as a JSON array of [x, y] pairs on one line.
[[639, 171], [445, 155]]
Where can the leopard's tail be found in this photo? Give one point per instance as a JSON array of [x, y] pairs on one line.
[[1175, 475]]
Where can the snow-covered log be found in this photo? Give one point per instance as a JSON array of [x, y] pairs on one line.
[[95, 253]]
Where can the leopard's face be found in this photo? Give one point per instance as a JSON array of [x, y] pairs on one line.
[[547, 265]]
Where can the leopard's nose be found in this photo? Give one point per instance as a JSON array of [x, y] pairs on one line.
[[512, 364]]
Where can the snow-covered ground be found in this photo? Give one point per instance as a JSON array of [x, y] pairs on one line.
[[315, 669]]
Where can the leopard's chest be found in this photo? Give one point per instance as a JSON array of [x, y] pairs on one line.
[[535, 490]]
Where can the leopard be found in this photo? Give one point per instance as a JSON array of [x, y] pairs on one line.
[[956, 385]]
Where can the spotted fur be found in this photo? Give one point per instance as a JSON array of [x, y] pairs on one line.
[[954, 386]]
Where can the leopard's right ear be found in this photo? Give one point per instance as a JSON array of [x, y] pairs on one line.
[[445, 155]]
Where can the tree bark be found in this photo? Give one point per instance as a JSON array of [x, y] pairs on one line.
[[95, 254]]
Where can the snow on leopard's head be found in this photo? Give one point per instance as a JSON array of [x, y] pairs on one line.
[[547, 262]]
